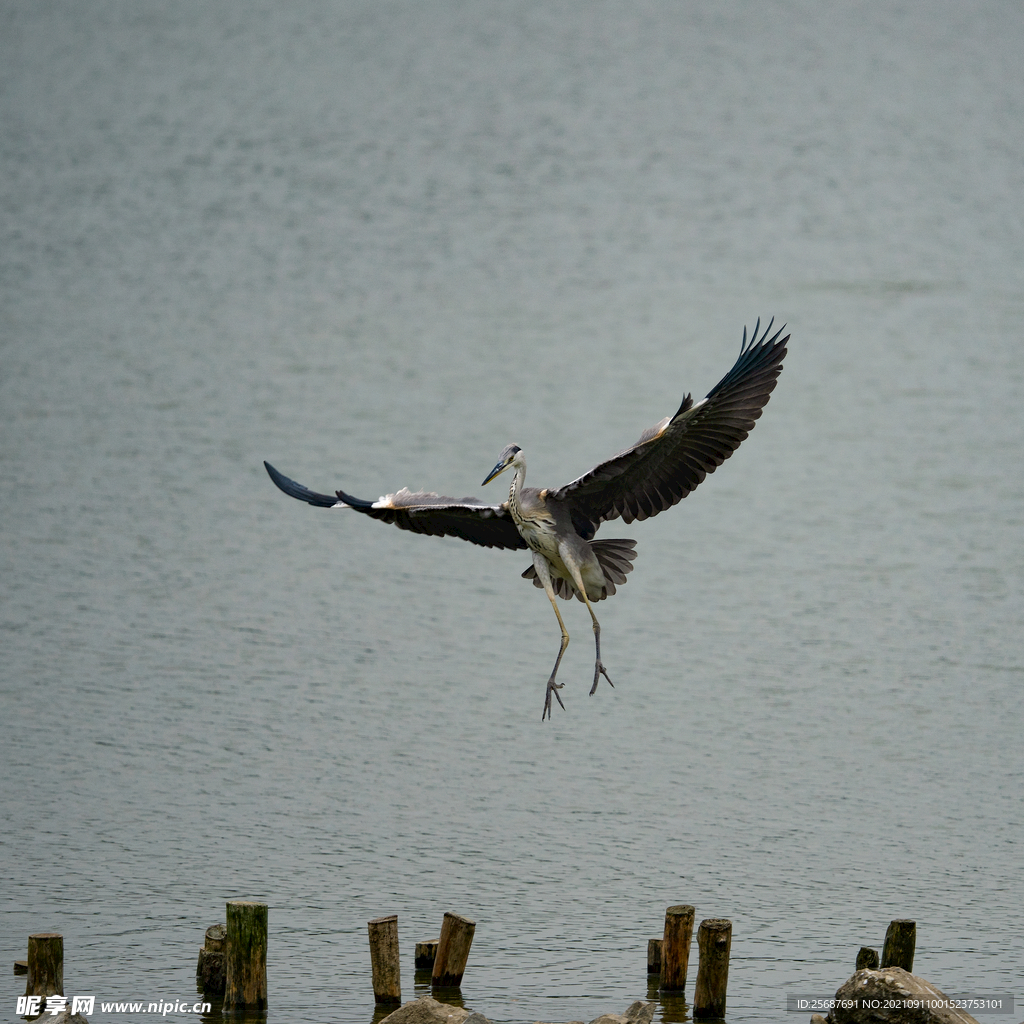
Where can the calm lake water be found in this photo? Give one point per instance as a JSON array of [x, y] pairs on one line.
[[373, 243]]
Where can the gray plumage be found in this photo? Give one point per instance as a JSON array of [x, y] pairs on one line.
[[558, 525]]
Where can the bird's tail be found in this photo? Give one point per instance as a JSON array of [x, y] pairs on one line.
[[615, 558]]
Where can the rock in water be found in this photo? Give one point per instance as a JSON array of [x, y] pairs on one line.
[[640, 1012], [891, 995], [427, 1010]]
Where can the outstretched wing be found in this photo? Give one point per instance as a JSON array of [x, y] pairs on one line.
[[673, 457], [434, 514]]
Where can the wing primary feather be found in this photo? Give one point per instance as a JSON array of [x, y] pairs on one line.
[[296, 490]]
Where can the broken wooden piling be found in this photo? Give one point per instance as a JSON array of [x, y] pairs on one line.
[[210, 967], [45, 964], [426, 954], [867, 957], [245, 982], [675, 949], [654, 955], [452, 951], [900, 940], [387, 980], [714, 940]]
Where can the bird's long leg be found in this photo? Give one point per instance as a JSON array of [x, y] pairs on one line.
[[540, 563], [577, 576]]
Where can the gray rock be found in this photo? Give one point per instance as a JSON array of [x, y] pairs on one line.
[[427, 1010], [640, 1012], [892, 995]]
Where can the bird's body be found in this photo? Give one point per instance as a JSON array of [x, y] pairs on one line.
[[559, 553], [558, 525], [548, 531]]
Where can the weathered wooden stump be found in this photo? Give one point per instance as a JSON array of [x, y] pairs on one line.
[[45, 964], [867, 957], [21, 967], [675, 948], [452, 951], [210, 970], [900, 940], [216, 938], [426, 954], [387, 979], [654, 955], [714, 940], [245, 982]]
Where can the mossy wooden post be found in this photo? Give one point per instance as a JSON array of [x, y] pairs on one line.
[[714, 940], [45, 964], [675, 947], [900, 940], [452, 951], [245, 981], [387, 979], [867, 957], [654, 955]]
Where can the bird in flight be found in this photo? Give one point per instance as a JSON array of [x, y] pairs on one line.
[[558, 524]]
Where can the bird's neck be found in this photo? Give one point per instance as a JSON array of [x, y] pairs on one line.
[[513, 491]]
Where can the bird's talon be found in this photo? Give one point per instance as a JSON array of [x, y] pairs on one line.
[[599, 670], [553, 688]]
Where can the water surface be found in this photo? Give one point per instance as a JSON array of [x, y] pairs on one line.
[[373, 244]]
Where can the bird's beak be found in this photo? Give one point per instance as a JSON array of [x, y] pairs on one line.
[[499, 468]]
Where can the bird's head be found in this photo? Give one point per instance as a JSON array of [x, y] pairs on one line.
[[506, 459]]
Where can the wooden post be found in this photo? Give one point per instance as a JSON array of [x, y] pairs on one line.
[[426, 954], [245, 988], [900, 940], [45, 964], [452, 951], [210, 968], [387, 979], [867, 957], [714, 940], [654, 955], [675, 948]]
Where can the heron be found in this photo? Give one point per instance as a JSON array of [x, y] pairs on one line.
[[558, 524]]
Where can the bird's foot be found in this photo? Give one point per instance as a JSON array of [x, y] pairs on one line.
[[599, 671], [553, 688]]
